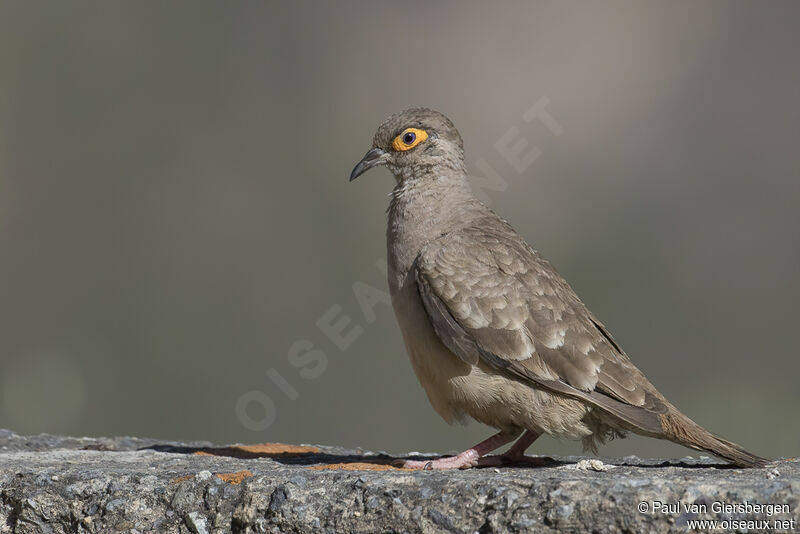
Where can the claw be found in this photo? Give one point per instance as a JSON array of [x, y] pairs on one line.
[[474, 457]]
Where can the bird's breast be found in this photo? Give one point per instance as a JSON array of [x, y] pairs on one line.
[[436, 368]]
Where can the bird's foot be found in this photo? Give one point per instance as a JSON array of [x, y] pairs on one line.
[[473, 456], [465, 460]]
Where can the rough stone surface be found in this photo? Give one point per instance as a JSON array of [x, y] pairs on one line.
[[56, 484]]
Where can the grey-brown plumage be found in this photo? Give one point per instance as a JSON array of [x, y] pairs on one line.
[[492, 330]]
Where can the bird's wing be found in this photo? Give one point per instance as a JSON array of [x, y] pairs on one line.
[[490, 297]]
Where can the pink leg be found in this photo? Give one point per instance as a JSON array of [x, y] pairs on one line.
[[516, 454], [468, 458], [518, 449]]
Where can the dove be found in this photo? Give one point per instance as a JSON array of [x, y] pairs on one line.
[[493, 332]]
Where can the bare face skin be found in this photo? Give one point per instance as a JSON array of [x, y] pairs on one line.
[[413, 142]]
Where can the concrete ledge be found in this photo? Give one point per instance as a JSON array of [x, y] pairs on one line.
[[58, 484]]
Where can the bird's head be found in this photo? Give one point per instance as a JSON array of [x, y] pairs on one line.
[[413, 142]]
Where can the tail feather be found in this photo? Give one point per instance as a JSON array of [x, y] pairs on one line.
[[659, 420], [680, 429]]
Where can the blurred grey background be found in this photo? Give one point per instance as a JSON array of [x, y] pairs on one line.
[[175, 216]]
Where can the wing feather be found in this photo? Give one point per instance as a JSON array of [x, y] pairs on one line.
[[490, 297]]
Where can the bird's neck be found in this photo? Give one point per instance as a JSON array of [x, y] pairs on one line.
[[422, 209]]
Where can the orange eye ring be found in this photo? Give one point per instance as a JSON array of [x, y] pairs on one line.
[[408, 139]]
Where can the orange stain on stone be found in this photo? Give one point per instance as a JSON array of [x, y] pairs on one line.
[[277, 448], [234, 478], [261, 450], [230, 478]]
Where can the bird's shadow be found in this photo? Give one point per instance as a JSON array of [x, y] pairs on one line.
[[315, 458], [284, 454]]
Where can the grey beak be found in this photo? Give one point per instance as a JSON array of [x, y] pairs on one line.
[[373, 158]]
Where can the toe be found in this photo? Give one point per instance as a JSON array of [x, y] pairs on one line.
[[415, 464]]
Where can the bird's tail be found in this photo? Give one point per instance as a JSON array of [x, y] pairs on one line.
[[680, 429]]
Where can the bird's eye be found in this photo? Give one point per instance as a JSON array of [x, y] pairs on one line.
[[409, 138]]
